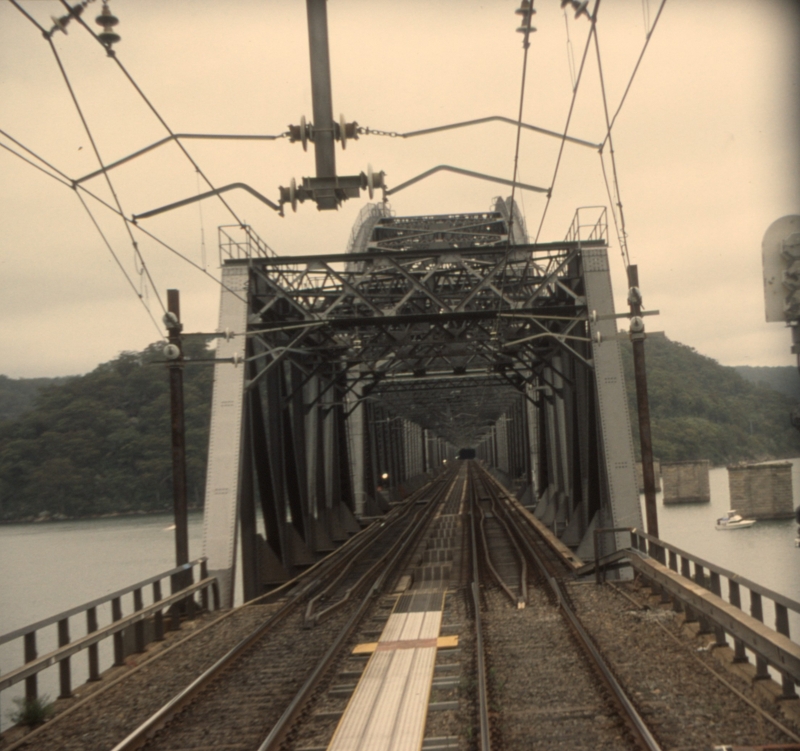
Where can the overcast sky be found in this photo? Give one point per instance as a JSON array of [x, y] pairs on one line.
[[706, 146]]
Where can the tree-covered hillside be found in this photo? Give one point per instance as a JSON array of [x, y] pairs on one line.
[[784, 378], [18, 395], [100, 443], [702, 410]]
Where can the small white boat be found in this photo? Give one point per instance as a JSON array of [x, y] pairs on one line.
[[734, 521]]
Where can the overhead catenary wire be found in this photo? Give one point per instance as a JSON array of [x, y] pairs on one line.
[[593, 19], [34, 165], [29, 17], [137, 252], [119, 263], [70, 183], [611, 203], [112, 54], [65, 181], [526, 46], [35, 156], [648, 37], [570, 50], [622, 234]]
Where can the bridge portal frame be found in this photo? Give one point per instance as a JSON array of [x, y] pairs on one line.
[[343, 365]]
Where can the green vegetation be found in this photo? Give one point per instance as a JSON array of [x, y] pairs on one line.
[[700, 409], [18, 395], [784, 378], [100, 443], [32, 712]]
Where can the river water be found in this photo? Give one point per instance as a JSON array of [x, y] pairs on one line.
[[49, 567]]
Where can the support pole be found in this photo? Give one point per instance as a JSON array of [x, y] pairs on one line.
[[643, 408], [321, 96], [174, 327]]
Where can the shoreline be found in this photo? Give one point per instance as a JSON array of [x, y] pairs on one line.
[[57, 519]]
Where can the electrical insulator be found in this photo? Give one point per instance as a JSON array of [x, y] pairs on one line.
[[108, 21]]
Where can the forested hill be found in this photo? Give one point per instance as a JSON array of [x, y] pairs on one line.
[[784, 378], [703, 410], [100, 443], [17, 395]]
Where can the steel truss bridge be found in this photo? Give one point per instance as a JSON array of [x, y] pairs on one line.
[[344, 380]]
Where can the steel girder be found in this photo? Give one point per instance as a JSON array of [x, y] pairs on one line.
[[361, 370]]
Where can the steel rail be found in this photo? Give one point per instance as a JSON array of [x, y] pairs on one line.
[[161, 717], [483, 696], [488, 558], [522, 600], [364, 577], [295, 707], [635, 720]]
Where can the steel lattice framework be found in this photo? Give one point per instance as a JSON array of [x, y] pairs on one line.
[[352, 375]]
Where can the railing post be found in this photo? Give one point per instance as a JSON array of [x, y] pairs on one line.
[[119, 645], [175, 585], [700, 579], [204, 591], [756, 610], [734, 595], [686, 572], [158, 617], [31, 682], [64, 665], [782, 627], [94, 659], [597, 578], [138, 628], [716, 588], [673, 561]]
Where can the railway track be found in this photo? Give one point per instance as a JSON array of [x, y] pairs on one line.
[[573, 702], [252, 696], [500, 675]]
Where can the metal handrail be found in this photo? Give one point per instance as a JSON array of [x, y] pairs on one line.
[[770, 594], [17, 633], [765, 644], [182, 590]]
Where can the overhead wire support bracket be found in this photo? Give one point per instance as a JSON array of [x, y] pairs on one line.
[[479, 121], [176, 137], [207, 194], [468, 173]]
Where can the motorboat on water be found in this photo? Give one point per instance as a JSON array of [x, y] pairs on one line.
[[734, 521]]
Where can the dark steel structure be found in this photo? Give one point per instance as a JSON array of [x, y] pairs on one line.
[[347, 378]]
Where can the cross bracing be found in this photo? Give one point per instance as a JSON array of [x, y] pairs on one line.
[[361, 372]]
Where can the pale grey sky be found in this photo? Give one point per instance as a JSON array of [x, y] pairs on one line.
[[706, 146]]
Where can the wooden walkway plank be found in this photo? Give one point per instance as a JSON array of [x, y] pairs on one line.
[[390, 703]]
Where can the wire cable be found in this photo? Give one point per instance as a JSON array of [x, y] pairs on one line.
[[613, 213], [635, 69], [34, 165], [69, 184], [35, 156], [137, 252], [569, 118], [570, 50], [112, 54], [29, 17], [526, 44], [119, 263], [72, 184], [622, 234]]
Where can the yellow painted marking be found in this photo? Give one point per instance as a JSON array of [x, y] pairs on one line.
[[442, 642]]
